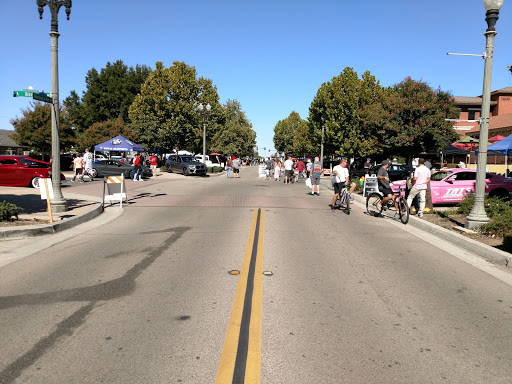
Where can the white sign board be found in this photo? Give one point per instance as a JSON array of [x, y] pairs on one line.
[[46, 185], [371, 185]]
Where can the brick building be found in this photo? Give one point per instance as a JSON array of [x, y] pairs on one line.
[[500, 122]]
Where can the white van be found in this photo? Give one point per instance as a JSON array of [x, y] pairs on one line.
[[211, 160]]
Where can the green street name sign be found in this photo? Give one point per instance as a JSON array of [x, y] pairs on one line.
[[42, 97], [26, 94]]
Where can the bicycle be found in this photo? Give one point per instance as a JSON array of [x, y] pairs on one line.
[[343, 200], [374, 199]]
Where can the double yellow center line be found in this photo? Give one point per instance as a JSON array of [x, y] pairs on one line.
[[240, 361]]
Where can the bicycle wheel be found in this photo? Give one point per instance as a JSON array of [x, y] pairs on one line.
[[403, 210], [371, 204], [346, 200]]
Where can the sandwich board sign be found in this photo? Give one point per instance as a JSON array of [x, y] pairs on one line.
[[116, 190], [371, 185], [46, 189]]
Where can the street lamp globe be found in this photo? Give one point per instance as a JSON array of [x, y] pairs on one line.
[[201, 108], [208, 108], [493, 4]]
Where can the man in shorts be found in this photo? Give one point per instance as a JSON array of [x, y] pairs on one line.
[[78, 166], [288, 170], [316, 172], [236, 167], [384, 186], [341, 179]]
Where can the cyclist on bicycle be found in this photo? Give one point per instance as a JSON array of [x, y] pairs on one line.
[[341, 179], [384, 186]]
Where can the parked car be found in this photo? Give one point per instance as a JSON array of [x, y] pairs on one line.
[[395, 172], [453, 185], [23, 171], [211, 160], [111, 167], [187, 165]]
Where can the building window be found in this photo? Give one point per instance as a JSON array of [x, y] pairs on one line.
[[472, 113]]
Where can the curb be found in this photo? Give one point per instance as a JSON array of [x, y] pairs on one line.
[[483, 250], [45, 229]]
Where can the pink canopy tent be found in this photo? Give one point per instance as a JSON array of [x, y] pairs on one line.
[[496, 138]]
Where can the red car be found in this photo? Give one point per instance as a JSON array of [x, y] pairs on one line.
[[22, 171]]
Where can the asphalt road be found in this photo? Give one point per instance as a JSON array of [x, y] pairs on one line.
[[146, 297]]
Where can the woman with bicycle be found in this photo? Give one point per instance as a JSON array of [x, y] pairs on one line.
[[384, 186]]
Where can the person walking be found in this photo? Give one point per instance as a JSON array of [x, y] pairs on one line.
[[137, 163], [309, 166], [88, 163], [229, 164], [316, 172], [78, 167], [153, 162], [419, 185], [277, 171], [300, 167], [288, 170], [236, 167]]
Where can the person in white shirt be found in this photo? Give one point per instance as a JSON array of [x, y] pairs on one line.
[[288, 170], [419, 182], [88, 163], [341, 178]]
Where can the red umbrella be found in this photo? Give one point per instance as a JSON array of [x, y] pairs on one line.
[[496, 138]]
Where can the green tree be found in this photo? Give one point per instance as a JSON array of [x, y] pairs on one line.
[[109, 94], [302, 145], [102, 131], [410, 119], [165, 113], [339, 101], [235, 136], [34, 128], [285, 138]]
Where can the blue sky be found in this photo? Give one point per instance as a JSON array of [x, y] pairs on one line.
[[272, 56]]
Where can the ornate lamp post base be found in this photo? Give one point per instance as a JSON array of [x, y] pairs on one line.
[[59, 206], [474, 221]]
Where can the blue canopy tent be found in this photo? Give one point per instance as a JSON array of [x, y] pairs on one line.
[[502, 147], [118, 144]]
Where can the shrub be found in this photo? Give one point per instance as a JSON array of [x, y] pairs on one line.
[[494, 206], [8, 211], [214, 169], [500, 225], [163, 168]]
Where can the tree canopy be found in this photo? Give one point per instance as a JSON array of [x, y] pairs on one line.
[[165, 113], [235, 136], [292, 136], [339, 102], [34, 128], [109, 94], [410, 119]]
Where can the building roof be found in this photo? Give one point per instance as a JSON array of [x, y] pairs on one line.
[[5, 140], [496, 122], [466, 100], [506, 90]]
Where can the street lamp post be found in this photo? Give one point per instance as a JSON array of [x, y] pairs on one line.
[[58, 202], [204, 115], [477, 216], [322, 118]]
